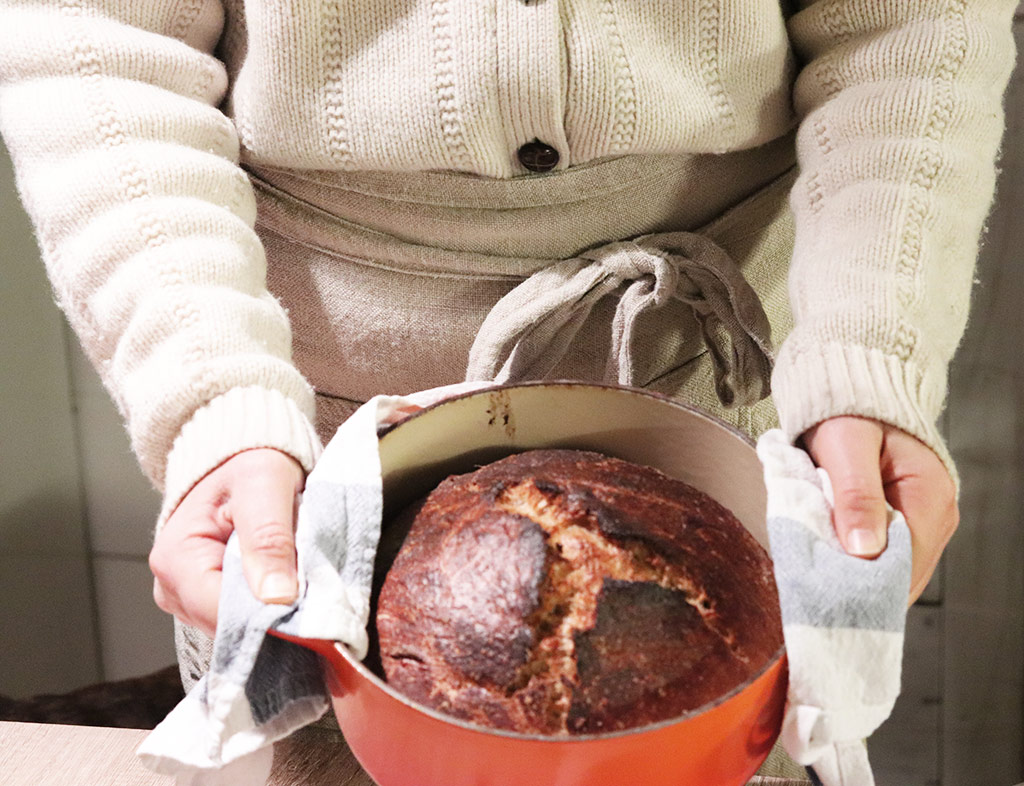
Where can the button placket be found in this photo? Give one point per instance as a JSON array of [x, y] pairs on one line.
[[531, 78]]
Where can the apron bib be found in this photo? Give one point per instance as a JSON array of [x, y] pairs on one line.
[[663, 272]]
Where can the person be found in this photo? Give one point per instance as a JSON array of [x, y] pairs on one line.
[[249, 206]]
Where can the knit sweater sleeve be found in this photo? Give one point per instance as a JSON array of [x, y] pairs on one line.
[[129, 172], [901, 117]]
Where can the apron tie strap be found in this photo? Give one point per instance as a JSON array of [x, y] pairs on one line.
[[529, 330]]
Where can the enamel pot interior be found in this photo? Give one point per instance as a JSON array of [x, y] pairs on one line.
[[401, 743]]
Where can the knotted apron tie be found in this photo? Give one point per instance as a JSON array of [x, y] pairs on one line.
[[529, 330]]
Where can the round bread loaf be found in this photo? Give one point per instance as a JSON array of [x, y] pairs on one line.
[[561, 591]]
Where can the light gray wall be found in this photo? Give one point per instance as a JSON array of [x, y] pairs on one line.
[[75, 512]]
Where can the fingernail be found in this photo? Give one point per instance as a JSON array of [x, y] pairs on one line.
[[278, 588], [863, 542]]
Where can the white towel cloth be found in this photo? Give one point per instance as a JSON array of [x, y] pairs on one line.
[[843, 619]]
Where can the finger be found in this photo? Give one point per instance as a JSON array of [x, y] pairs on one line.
[[262, 509], [849, 449], [186, 561], [197, 607], [919, 486], [187, 580]]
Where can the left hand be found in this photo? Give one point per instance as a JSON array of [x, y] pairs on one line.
[[871, 463], [252, 493]]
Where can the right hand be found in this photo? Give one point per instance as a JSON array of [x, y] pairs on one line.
[[254, 493], [870, 464]]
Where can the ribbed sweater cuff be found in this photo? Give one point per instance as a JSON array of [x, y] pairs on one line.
[[241, 419], [811, 386]]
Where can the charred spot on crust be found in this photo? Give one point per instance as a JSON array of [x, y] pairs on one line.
[[547, 487], [495, 491], [648, 641]]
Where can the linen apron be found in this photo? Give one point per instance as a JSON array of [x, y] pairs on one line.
[[667, 272]]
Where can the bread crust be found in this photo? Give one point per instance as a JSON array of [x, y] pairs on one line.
[[562, 591]]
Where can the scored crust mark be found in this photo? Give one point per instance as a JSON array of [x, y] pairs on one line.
[[574, 531], [587, 573]]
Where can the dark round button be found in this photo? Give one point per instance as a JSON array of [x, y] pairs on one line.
[[537, 156]]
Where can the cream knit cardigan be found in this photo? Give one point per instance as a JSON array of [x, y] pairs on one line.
[[127, 120]]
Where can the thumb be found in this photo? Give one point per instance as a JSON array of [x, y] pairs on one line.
[[849, 449], [263, 513]]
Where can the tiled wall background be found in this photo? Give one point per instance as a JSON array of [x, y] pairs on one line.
[[76, 517]]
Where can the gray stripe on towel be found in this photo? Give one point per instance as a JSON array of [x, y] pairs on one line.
[[823, 587]]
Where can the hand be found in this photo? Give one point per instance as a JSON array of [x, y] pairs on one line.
[[254, 493], [870, 463]]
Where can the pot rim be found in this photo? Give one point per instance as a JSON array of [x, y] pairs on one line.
[[571, 383]]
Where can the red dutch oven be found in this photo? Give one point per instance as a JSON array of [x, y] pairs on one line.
[[402, 743]]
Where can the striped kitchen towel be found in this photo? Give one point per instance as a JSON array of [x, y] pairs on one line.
[[842, 617], [260, 688]]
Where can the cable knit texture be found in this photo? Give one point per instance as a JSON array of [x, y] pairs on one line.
[[127, 121], [902, 114]]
